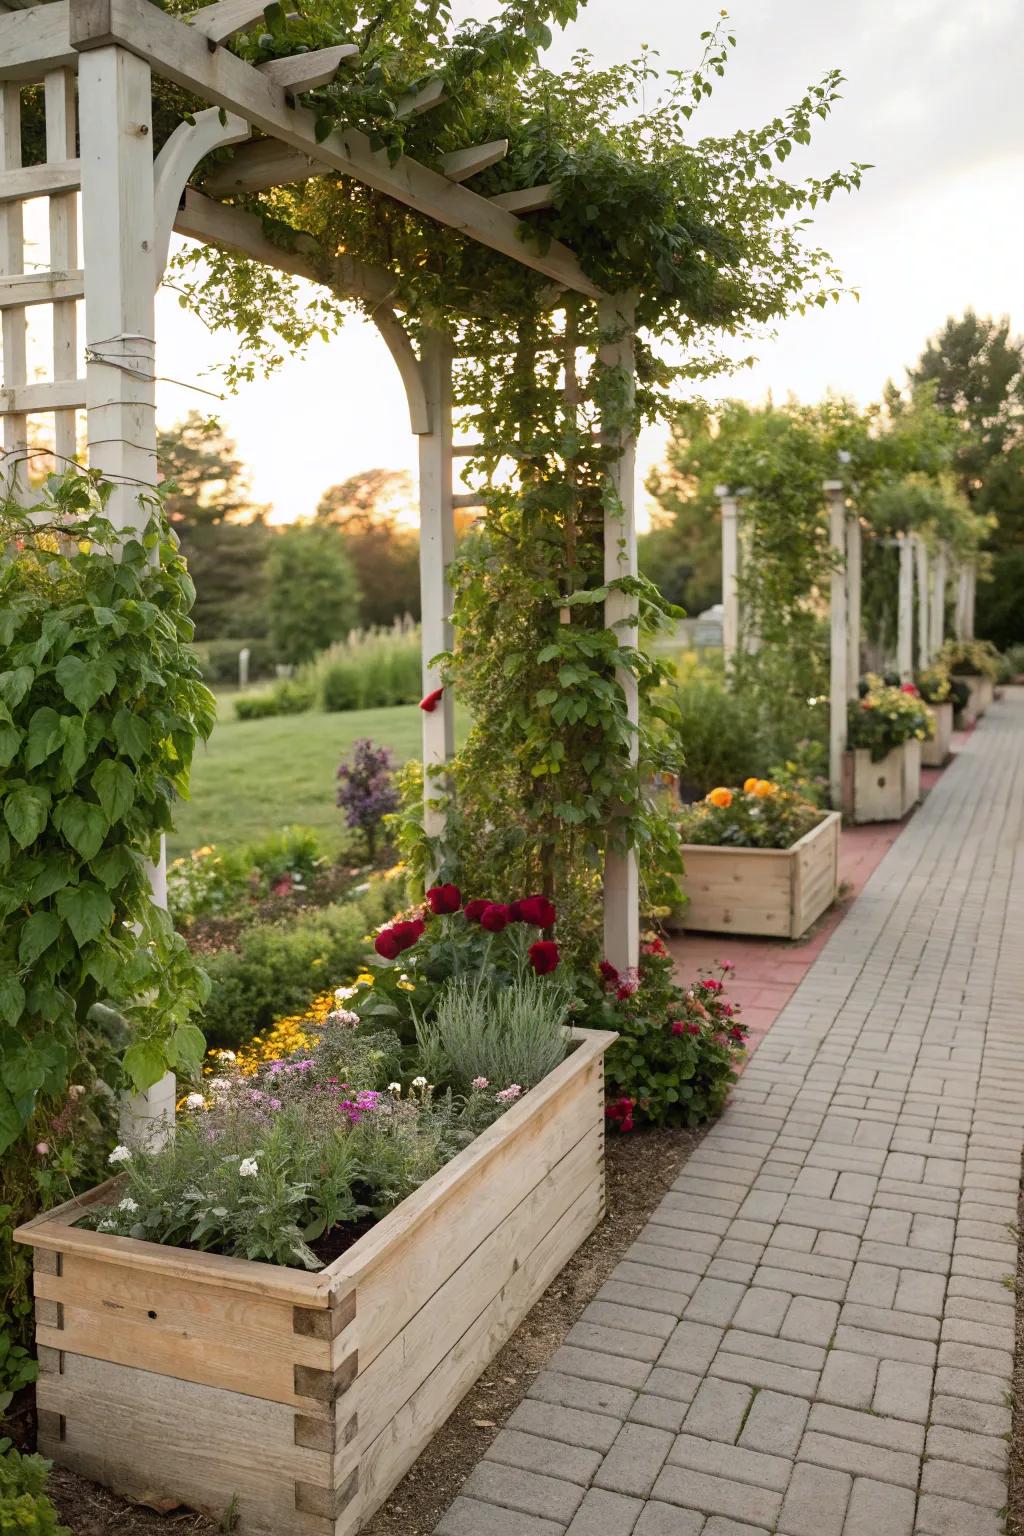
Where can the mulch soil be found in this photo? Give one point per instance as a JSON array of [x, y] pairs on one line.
[[640, 1168]]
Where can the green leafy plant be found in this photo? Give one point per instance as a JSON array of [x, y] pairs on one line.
[[760, 815], [970, 658], [674, 1061], [214, 881], [884, 718], [25, 1509], [100, 707], [506, 1034]]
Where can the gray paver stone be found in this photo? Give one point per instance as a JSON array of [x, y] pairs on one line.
[[718, 1496], [811, 1320], [815, 1503], [471, 1517], [595, 1431], [879, 1509], [718, 1409], [730, 1461], [553, 1458], [634, 1461], [571, 1391], [937, 1516], [529, 1492], [775, 1424], [667, 1520], [605, 1514]]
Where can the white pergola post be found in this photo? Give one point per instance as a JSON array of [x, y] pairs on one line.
[[905, 611], [730, 572], [835, 493], [938, 605], [853, 601], [923, 604], [621, 873], [972, 592], [115, 132], [437, 549]]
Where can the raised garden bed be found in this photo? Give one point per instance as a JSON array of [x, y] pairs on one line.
[[883, 791], [297, 1401], [772, 892], [982, 693], [935, 753]]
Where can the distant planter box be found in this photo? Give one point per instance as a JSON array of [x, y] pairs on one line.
[[982, 693], [299, 1400], [772, 892], [935, 753], [883, 791]]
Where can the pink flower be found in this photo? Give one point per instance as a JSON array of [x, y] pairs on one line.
[[737, 1032], [509, 1095], [711, 984], [728, 965], [608, 972], [693, 1029], [480, 1083], [42, 1149], [282, 885]]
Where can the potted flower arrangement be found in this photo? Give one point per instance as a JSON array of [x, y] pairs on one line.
[[936, 687], [297, 1290], [977, 663], [885, 729], [762, 859]]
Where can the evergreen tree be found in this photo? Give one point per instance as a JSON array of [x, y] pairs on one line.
[[313, 595]]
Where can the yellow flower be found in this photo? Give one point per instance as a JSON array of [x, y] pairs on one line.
[[405, 986]]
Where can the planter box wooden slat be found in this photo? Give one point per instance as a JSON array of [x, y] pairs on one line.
[[772, 892], [935, 753], [884, 791], [305, 1397]]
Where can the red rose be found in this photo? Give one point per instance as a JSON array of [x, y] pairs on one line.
[[655, 947], [678, 1027], [543, 956], [737, 1033], [693, 1029], [474, 910], [387, 944], [608, 971], [538, 911], [430, 703], [406, 933], [495, 917], [710, 984], [444, 898], [909, 688]]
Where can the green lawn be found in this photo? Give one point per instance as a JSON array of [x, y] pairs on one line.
[[256, 776]]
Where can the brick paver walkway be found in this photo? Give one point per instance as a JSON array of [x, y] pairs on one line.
[[813, 1336]]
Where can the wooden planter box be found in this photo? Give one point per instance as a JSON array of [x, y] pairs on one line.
[[181, 1378], [935, 753], [982, 693], [883, 791], [772, 892]]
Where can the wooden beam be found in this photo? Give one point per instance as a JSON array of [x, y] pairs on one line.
[[853, 603], [527, 200], [34, 41], [13, 322], [430, 95], [59, 89], [461, 164], [41, 288], [923, 602], [437, 550], [305, 71], [28, 399], [187, 146], [181, 54], [267, 163], [40, 180], [905, 612], [221, 21]]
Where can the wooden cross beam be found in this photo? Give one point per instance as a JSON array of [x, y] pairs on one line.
[[182, 54], [305, 71]]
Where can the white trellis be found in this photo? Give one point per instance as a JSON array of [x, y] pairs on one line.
[[130, 203]]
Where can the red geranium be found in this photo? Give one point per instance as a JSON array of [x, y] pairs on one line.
[[538, 911], [543, 956], [474, 910], [431, 701], [444, 898], [653, 947], [620, 1113], [495, 917], [608, 971], [711, 984]]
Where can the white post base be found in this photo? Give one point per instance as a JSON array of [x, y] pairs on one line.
[[149, 1116]]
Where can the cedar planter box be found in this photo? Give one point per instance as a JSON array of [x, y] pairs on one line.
[[772, 892], [935, 753], [882, 791], [182, 1378], [982, 693]]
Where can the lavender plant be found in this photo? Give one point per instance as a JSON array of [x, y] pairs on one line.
[[367, 791]]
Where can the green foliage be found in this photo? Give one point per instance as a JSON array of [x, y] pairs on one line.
[[287, 697], [884, 718], [510, 1035], [383, 549], [224, 536], [100, 707], [970, 658], [313, 597], [761, 816], [276, 966], [717, 729], [674, 1061], [372, 669], [215, 881], [25, 1509]]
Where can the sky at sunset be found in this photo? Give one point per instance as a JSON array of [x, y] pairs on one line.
[[932, 100]]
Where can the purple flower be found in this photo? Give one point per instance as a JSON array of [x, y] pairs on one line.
[[366, 791]]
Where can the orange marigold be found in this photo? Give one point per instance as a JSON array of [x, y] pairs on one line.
[[749, 785], [763, 788], [720, 797]]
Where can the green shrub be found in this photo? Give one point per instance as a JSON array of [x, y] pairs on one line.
[[373, 669], [760, 815], [277, 967], [1015, 660], [214, 881], [718, 734], [341, 686], [290, 696], [25, 1509]]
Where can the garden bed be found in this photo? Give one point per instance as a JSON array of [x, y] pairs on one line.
[[886, 790], [299, 1400], [936, 752], [770, 892]]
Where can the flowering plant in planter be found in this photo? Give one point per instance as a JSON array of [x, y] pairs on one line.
[[675, 1058], [449, 937], [934, 684], [762, 814], [883, 718], [971, 658]]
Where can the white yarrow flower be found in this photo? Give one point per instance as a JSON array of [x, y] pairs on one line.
[[248, 1168], [419, 1082], [128, 1204], [219, 1084], [396, 1089], [120, 1155], [195, 1101]]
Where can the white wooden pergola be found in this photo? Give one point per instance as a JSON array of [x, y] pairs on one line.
[[845, 540], [96, 60]]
